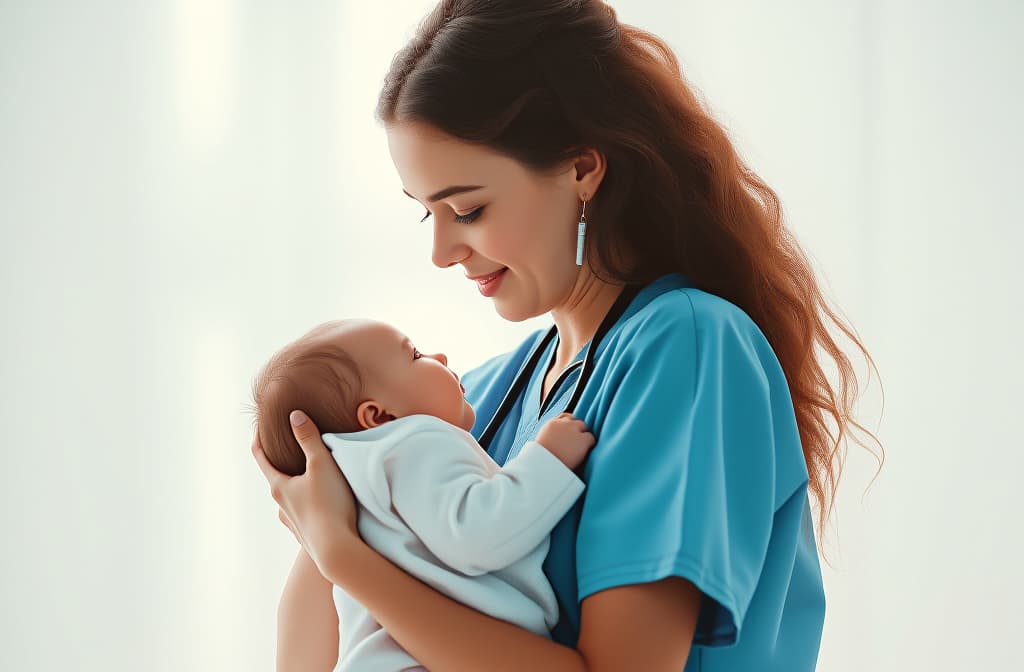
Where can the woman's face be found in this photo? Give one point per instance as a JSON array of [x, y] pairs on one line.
[[513, 221]]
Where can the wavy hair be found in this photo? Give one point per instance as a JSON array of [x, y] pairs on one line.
[[542, 80]]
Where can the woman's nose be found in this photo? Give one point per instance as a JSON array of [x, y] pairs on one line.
[[447, 250]]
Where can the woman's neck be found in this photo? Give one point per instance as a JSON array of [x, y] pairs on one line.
[[579, 317]]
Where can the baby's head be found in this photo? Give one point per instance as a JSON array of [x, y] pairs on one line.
[[350, 375]]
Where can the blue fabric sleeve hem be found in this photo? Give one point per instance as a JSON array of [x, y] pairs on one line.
[[660, 568]]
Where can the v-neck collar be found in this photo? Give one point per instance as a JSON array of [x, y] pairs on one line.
[[573, 365], [660, 285]]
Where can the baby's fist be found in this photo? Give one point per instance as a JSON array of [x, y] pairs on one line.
[[566, 438]]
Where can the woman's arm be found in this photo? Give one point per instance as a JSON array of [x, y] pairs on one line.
[[307, 621], [645, 626], [651, 622]]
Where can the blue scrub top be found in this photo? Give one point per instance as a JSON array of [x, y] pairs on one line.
[[697, 472]]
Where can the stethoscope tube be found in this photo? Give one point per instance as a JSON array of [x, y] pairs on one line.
[[626, 297]]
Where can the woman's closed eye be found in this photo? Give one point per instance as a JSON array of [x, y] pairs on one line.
[[462, 219]]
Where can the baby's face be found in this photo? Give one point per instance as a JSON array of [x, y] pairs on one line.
[[399, 380]]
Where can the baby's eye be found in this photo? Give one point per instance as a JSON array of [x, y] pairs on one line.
[[416, 354]]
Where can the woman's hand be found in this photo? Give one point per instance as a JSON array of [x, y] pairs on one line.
[[317, 506]]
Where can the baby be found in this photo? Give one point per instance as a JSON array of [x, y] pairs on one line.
[[430, 499]]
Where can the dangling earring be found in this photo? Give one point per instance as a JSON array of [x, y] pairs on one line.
[[581, 233]]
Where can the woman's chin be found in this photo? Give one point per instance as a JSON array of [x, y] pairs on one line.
[[511, 312]]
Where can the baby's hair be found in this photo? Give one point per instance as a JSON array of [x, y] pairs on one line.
[[312, 374]]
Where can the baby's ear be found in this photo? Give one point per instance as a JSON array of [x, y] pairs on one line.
[[371, 414]]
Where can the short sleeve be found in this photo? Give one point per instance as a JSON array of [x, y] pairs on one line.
[[681, 480]]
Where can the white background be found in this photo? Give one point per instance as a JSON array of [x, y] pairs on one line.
[[186, 186]]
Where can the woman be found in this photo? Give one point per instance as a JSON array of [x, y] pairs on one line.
[[535, 133]]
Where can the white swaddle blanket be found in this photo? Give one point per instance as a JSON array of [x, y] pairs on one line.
[[435, 504]]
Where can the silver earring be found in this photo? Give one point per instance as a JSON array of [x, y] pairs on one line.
[[581, 233]]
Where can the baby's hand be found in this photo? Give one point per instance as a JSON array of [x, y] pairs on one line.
[[567, 439]]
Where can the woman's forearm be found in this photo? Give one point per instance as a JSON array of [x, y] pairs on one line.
[[441, 633], [307, 621]]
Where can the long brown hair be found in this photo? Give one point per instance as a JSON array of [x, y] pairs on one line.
[[542, 80]]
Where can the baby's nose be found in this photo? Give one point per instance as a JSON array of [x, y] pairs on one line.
[[441, 358]]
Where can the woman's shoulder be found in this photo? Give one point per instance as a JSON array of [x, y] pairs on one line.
[[689, 318]]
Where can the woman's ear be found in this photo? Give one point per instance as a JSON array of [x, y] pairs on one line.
[[590, 167], [372, 414]]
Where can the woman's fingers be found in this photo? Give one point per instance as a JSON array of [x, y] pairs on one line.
[[272, 475], [283, 517], [307, 434]]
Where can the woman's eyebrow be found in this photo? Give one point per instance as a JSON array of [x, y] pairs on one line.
[[446, 192]]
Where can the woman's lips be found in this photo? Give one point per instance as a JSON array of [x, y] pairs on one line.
[[488, 278], [488, 286]]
